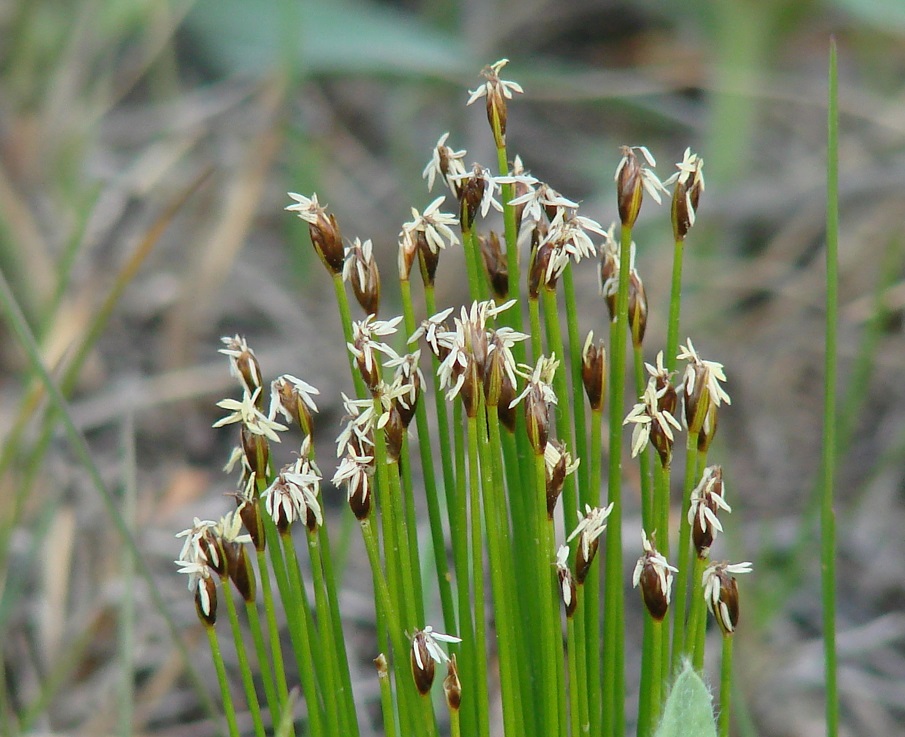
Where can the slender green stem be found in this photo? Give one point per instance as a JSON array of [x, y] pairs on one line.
[[675, 306], [657, 682], [549, 606], [501, 574], [697, 618], [386, 702], [345, 317], [341, 691], [273, 632], [592, 582], [679, 634], [614, 617], [472, 264], [319, 673], [477, 577], [438, 542], [648, 518], [578, 400], [459, 524], [828, 456], [725, 686], [257, 634], [564, 427], [248, 683], [574, 655], [228, 708], [649, 673], [537, 348]]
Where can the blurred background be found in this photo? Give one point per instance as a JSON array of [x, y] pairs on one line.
[[146, 147]]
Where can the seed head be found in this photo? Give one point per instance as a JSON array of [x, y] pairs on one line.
[[633, 178], [243, 364], [593, 371], [355, 473], [446, 163], [361, 269], [452, 687], [637, 308], [707, 499], [497, 91], [701, 387], [721, 593], [689, 184], [590, 527], [567, 590], [324, 232], [654, 574], [495, 263], [559, 464], [425, 652], [291, 397]]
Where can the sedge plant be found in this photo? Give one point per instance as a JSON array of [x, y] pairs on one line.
[[473, 459]]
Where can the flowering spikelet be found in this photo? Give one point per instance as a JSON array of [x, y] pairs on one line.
[[324, 232], [706, 501], [689, 184], [567, 589], [633, 178], [446, 163], [558, 463], [425, 652], [291, 397], [497, 91], [654, 574], [721, 593], [701, 387], [590, 527], [593, 371], [243, 364], [360, 269], [538, 395]]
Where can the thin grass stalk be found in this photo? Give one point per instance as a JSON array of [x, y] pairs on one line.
[[661, 506], [659, 655], [592, 582], [229, 710], [391, 547], [564, 428], [329, 645], [404, 465], [577, 651], [697, 619], [828, 455], [477, 576], [501, 574], [438, 542], [319, 673], [518, 575], [248, 684], [80, 448], [537, 348], [476, 282], [264, 667], [410, 571], [578, 409], [573, 656], [679, 634], [273, 632], [725, 685], [648, 517], [387, 704], [675, 307], [468, 664], [550, 643], [325, 553], [345, 318], [416, 717], [614, 646], [649, 673]]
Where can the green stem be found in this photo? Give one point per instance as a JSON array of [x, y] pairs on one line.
[[679, 634], [614, 622], [675, 306], [501, 574], [228, 708], [550, 644], [697, 619], [345, 317], [318, 672], [477, 577], [725, 686], [472, 257], [828, 456], [563, 408], [273, 632], [649, 673], [592, 582], [257, 634], [578, 400], [248, 684], [648, 518], [537, 348]]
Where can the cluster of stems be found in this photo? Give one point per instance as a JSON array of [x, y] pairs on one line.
[[489, 421]]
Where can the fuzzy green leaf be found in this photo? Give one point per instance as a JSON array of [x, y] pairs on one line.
[[689, 708]]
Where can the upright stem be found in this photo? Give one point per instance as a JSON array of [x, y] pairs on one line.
[[679, 634], [614, 622], [251, 696], [725, 685], [675, 305], [228, 709], [592, 582]]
